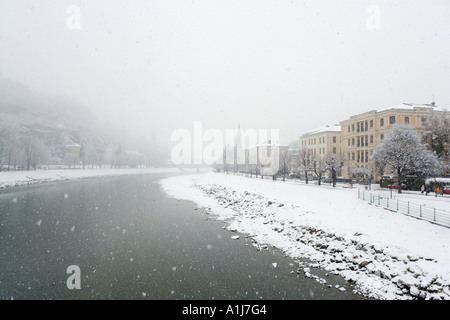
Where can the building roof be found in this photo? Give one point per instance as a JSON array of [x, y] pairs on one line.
[[323, 129], [73, 145], [400, 106], [411, 106]]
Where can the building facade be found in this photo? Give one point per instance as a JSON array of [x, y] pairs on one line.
[[362, 133], [322, 141]]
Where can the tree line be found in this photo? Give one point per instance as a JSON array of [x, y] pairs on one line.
[[28, 152]]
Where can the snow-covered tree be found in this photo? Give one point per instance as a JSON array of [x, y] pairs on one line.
[[403, 151], [437, 137], [437, 134], [334, 163], [319, 167]]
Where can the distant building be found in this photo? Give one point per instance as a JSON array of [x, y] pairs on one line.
[[321, 142], [362, 133], [264, 158], [73, 149]]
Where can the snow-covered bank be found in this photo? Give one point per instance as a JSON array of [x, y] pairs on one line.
[[20, 178], [385, 255]]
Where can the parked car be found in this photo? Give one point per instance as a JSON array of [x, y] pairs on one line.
[[343, 180], [446, 190], [395, 186]]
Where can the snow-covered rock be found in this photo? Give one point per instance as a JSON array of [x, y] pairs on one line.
[[383, 255]]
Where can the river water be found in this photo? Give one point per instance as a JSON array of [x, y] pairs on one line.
[[130, 241]]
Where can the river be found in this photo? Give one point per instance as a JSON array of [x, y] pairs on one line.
[[130, 241]]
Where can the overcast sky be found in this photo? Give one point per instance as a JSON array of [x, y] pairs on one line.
[[288, 65]]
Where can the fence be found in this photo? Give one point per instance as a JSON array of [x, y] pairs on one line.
[[414, 210]]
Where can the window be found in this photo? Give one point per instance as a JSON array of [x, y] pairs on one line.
[[353, 141], [381, 122], [367, 156], [362, 156], [353, 156], [366, 126], [371, 139], [367, 141], [391, 119], [348, 128], [371, 123], [424, 121], [357, 130], [381, 137], [334, 139], [334, 150], [407, 120], [353, 127], [348, 140]]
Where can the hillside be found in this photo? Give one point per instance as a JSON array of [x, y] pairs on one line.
[[41, 129]]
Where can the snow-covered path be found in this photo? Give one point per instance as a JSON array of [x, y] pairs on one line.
[[385, 255]]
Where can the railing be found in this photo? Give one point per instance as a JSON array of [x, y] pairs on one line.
[[405, 207]]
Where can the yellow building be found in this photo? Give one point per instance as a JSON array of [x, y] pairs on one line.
[[322, 142], [325, 140], [362, 133]]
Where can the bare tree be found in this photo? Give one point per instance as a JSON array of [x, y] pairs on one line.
[[34, 152], [305, 160], [357, 173], [3, 134], [285, 160], [319, 167]]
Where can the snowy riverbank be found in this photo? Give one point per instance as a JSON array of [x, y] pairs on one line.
[[20, 178], [385, 255]]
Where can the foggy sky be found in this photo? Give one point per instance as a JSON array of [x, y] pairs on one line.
[[289, 65]]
